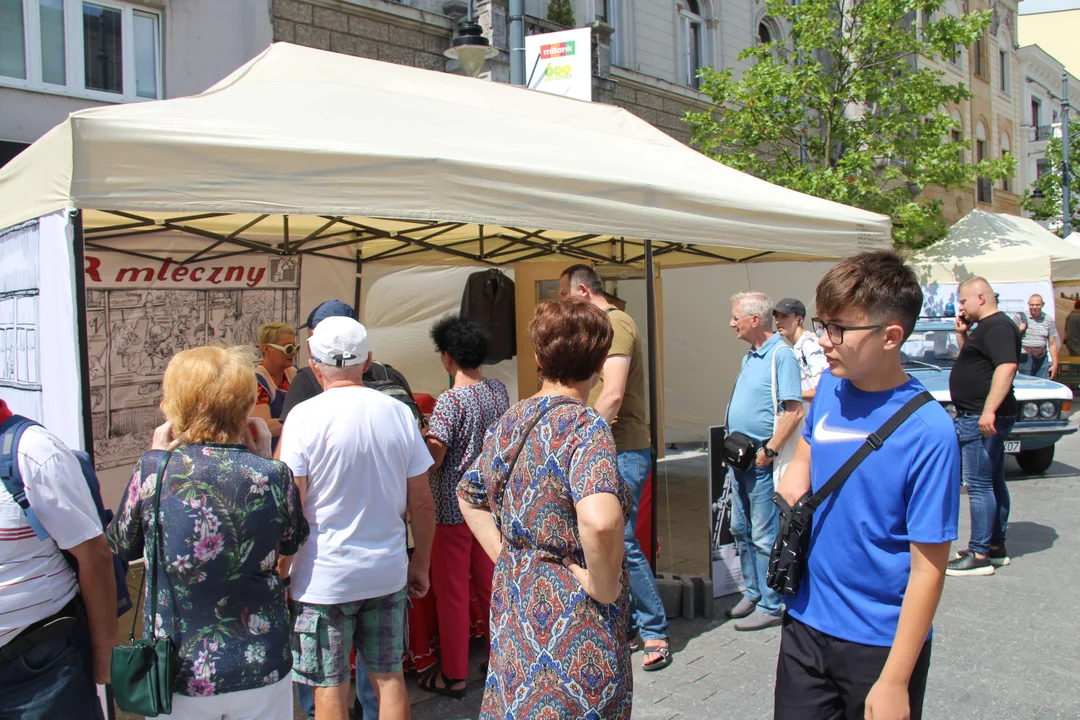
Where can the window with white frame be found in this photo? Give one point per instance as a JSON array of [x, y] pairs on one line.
[[98, 49], [693, 31], [18, 340]]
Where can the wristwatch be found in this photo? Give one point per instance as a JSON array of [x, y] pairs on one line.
[[769, 452]]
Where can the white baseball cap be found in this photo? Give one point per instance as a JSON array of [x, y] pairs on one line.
[[339, 341]]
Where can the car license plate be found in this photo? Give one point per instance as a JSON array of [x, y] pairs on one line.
[[1012, 446]]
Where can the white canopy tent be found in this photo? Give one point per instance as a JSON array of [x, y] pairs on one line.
[[341, 161], [1001, 248]]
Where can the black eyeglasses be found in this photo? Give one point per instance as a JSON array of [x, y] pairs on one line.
[[836, 332]]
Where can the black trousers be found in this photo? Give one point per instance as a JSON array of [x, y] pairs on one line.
[[820, 677]]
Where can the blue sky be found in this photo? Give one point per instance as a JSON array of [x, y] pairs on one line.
[[1027, 7]]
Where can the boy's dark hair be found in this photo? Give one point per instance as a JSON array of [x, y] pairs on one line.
[[878, 283], [584, 275], [464, 340]]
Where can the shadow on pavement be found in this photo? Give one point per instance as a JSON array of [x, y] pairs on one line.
[[1028, 538]]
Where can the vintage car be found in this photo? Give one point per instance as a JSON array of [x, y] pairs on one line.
[[1045, 405]]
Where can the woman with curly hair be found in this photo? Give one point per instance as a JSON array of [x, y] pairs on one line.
[[455, 435], [227, 513]]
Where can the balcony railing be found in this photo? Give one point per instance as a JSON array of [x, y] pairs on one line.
[[1045, 132], [985, 189]]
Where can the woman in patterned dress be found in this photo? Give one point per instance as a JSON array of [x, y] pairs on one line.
[[546, 501], [228, 513], [455, 435]]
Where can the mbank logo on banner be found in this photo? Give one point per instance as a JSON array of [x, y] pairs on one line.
[[557, 49]]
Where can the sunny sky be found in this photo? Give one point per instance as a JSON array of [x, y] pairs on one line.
[[1028, 7]]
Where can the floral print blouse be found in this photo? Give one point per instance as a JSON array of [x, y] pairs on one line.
[[227, 514]]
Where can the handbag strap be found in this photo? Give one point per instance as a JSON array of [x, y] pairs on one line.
[[873, 441], [525, 439], [150, 567]]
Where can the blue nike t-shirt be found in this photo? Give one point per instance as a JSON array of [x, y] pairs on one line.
[[907, 491]]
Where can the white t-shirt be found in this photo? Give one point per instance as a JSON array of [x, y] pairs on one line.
[[35, 579], [811, 359], [357, 447]]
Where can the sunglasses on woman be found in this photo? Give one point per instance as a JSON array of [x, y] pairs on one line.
[[289, 349]]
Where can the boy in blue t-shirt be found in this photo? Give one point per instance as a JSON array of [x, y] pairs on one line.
[[856, 636]]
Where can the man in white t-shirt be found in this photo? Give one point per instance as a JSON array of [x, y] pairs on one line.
[[57, 629], [360, 463], [790, 316]]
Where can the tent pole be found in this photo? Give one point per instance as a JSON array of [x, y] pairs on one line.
[[356, 286], [654, 410], [79, 253]]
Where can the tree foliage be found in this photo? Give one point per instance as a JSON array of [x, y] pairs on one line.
[[561, 12], [876, 124], [1049, 185]]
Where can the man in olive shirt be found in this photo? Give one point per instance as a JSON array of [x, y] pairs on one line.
[[620, 398]]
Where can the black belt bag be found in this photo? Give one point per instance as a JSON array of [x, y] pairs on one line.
[[739, 451], [787, 562]]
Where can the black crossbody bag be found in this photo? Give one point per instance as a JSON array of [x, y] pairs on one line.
[[787, 562]]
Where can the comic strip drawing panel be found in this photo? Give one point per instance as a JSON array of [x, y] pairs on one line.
[[134, 333], [20, 380]]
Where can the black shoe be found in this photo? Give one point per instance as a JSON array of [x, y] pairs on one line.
[[966, 563], [998, 557]]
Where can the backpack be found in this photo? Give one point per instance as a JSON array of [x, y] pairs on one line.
[[379, 378], [11, 431]]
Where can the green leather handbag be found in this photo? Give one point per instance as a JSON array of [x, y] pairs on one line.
[[143, 670]]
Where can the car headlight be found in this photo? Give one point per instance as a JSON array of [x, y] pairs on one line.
[[1048, 409], [1029, 411], [951, 409]]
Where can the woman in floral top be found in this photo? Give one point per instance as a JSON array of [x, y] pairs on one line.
[[227, 515]]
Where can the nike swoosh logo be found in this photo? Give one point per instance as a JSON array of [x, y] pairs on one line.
[[833, 435]]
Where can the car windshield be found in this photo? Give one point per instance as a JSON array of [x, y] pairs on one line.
[[930, 347]]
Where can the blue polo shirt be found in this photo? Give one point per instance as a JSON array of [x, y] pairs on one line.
[[751, 411], [907, 491]]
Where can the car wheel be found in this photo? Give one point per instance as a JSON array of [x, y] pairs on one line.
[[1035, 462]]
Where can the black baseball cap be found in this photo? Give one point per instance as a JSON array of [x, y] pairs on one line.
[[330, 308], [790, 306]]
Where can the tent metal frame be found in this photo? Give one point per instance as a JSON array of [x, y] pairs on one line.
[[508, 245]]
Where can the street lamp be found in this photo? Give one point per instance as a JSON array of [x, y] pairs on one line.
[[470, 48]]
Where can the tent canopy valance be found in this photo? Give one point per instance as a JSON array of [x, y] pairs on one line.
[[306, 151]]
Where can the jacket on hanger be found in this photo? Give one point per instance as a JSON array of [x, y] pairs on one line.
[[489, 300]]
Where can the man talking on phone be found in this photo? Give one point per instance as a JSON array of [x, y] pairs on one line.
[[981, 388]]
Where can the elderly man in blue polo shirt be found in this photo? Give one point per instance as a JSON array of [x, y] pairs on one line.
[[766, 405]]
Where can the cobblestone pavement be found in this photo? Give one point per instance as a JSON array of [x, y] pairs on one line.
[[1005, 646]]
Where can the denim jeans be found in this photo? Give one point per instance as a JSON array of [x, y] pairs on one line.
[[367, 702], [755, 520], [1035, 367], [648, 617], [52, 680], [982, 467]]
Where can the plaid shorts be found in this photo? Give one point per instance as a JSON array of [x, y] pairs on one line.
[[324, 634]]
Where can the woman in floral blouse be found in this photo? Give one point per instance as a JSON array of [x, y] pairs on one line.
[[228, 512]]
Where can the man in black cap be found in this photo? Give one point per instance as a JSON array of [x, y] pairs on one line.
[[304, 386], [790, 315]]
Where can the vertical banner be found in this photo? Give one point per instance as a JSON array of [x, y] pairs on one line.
[[560, 63], [726, 570]]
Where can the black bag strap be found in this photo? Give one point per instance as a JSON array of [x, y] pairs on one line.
[[150, 567], [873, 442]]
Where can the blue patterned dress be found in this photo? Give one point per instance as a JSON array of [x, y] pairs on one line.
[[556, 654]]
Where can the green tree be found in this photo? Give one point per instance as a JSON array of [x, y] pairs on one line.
[[1049, 185], [876, 127], [561, 12]]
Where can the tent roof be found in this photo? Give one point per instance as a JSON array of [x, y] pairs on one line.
[[1001, 248], [319, 136]]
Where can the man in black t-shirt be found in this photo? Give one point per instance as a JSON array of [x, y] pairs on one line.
[[981, 388]]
